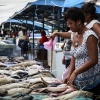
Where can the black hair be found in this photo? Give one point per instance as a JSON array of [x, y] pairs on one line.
[[89, 8], [43, 33], [75, 14]]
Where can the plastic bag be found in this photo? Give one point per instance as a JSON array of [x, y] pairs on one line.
[[50, 44]]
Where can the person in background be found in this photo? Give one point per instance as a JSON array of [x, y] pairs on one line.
[[84, 70], [42, 52], [15, 33], [20, 33], [91, 21], [42, 39], [66, 47], [23, 42]]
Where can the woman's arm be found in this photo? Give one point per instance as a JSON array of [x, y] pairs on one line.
[[72, 65], [96, 29], [61, 34], [71, 69]]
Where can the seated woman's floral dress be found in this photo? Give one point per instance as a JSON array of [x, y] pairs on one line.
[[91, 77]]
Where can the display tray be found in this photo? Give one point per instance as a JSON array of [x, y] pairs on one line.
[[4, 46], [7, 50]]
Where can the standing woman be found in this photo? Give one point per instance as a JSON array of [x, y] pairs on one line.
[[91, 21], [84, 70]]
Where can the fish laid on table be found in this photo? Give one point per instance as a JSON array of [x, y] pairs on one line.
[[17, 68], [6, 80], [25, 64], [14, 85], [2, 64], [21, 73], [71, 95], [3, 92], [4, 72], [19, 59], [18, 90], [46, 80], [38, 85]]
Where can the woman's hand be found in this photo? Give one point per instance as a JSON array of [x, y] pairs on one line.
[[53, 35], [72, 78], [66, 79]]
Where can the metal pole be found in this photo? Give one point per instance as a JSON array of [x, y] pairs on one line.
[[43, 21], [33, 37], [59, 23], [26, 24]]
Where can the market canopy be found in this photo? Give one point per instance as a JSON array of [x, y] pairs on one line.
[[29, 24], [49, 11], [26, 9]]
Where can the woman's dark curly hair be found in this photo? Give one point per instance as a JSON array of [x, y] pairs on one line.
[[89, 8], [75, 14]]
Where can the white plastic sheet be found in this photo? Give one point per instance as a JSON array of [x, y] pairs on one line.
[[9, 7]]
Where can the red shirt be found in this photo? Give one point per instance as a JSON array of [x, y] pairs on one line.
[[43, 39]]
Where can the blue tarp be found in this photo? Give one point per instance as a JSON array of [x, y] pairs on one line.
[[30, 22], [71, 3], [77, 3]]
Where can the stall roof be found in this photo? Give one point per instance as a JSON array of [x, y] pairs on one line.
[[29, 23], [51, 10]]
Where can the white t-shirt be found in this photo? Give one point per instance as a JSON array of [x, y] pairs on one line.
[[20, 33], [90, 25]]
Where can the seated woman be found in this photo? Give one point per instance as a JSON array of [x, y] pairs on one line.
[[42, 39], [42, 53]]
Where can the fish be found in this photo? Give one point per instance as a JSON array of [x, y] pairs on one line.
[[38, 85], [14, 85], [74, 94], [71, 95], [6, 80], [3, 92], [24, 64], [18, 90], [4, 72]]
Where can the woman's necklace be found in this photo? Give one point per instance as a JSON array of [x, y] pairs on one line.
[[76, 44], [79, 36]]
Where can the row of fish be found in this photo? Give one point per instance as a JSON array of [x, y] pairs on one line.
[[22, 79]]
